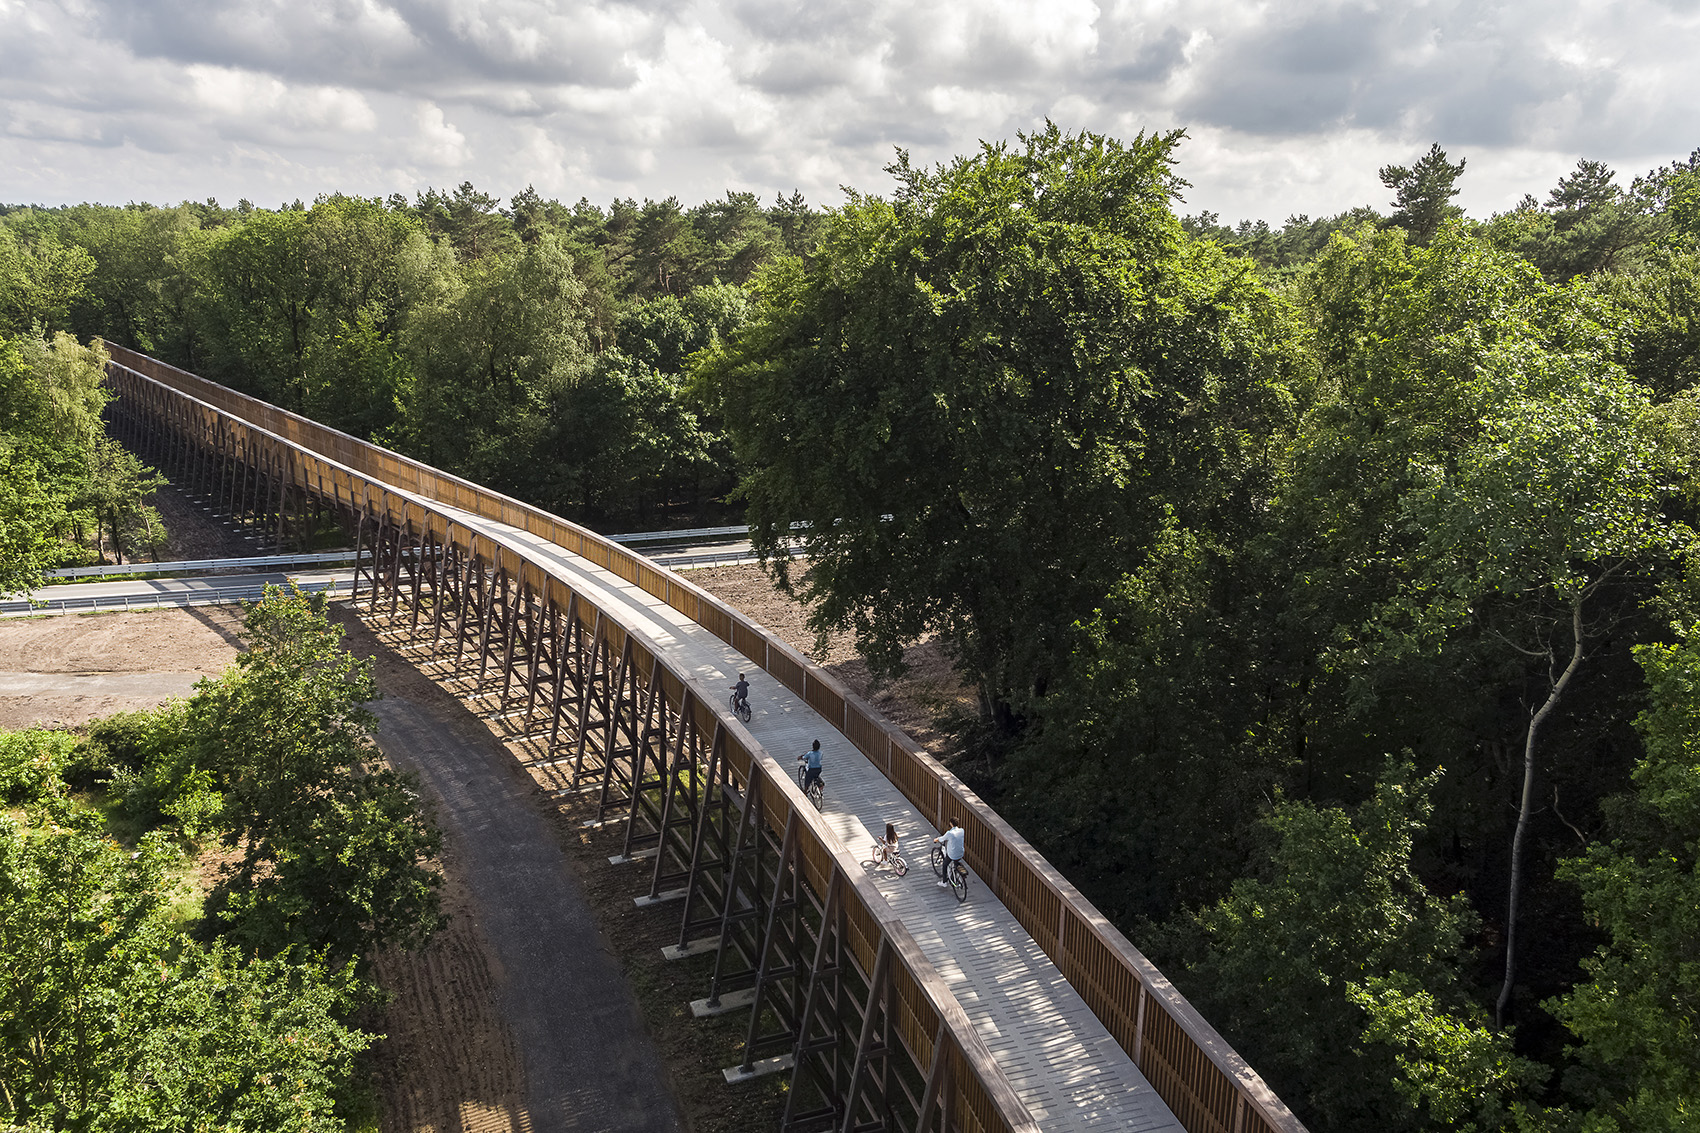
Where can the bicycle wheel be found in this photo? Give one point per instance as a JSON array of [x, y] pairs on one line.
[[744, 712], [802, 772], [898, 865], [959, 881], [938, 860], [817, 792]]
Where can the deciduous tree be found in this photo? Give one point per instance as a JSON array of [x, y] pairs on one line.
[[986, 396]]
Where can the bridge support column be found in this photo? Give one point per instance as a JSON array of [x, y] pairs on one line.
[[780, 954], [709, 862]]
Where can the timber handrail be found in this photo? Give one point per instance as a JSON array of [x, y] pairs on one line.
[[1207, 1085], [928, 1012]]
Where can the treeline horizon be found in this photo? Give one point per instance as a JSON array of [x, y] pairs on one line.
[[573, 324], [1331, 589], [544, 348]]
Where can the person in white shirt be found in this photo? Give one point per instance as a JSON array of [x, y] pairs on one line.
[[952, 841]]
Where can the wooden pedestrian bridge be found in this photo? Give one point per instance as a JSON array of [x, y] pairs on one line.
[[891, 1005]]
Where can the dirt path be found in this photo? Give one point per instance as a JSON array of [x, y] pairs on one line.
[[587, 1062], [448, 1062]]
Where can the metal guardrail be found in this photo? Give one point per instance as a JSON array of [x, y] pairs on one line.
[[727, 558], [683, 536], [182, 565], [208, 596], [340, 558]]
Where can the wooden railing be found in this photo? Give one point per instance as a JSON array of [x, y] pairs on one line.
[[981, 1098], [1203, 1080]]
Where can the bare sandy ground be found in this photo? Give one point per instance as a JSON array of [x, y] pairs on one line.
[[66, 671]]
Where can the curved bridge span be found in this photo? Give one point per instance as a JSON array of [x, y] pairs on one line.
[[891, 1006]]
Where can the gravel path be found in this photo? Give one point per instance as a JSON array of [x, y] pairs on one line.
[[589, 1065]]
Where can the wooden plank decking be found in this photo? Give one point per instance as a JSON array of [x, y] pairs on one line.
[[1068, 1069]]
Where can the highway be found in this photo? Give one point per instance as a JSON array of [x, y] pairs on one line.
[[205, 589], [152, 593]]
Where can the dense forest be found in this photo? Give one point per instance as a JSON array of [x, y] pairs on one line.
[[539, 349], [1331, 588]]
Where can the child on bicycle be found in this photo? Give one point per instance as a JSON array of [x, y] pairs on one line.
[[952, 841], [888, 848], [812, 758], [741, 692]]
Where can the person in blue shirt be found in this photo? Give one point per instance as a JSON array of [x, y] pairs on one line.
[[812, 758], [952, 840], [742, 690]]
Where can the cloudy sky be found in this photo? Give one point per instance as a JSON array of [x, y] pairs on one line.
[[1290, 107]]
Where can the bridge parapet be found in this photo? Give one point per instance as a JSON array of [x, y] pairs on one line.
[[1205, 1083]]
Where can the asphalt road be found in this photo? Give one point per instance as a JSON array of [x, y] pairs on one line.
[[138, 594]]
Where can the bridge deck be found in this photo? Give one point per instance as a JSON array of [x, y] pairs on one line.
[[1068, 1069]]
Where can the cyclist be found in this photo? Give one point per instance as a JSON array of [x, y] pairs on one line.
[[952, 840], [812, 758], [888, 848], [741, 692]]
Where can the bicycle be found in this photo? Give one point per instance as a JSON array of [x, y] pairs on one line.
[[740, 708], [958, 877], [884, 854], [816, 790]]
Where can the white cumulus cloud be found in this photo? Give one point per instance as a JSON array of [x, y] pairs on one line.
[[1289, 108]]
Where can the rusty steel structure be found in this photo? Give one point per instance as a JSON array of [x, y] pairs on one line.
[[836, 988]]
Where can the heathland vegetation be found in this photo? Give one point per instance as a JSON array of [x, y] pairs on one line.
[[1331, 588]]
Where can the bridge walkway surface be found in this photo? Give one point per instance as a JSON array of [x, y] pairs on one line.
[[1068, 1069]]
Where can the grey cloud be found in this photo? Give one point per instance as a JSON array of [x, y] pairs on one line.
[[404, 44], [1302, 76], [802, 21], [651, 97], [1468, 80], [989, 56], [707, 129], [887, 133], [1151, 60], [795, 73]]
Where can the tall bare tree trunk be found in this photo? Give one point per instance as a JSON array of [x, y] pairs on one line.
[[1535, 722]]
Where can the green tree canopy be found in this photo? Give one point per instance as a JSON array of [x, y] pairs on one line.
[[491, 342], [275, 757], [986, 396], [53, 445], [113, 1023], [1335, 969], [1637, 1017], [41, 276], [1423, 192]]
